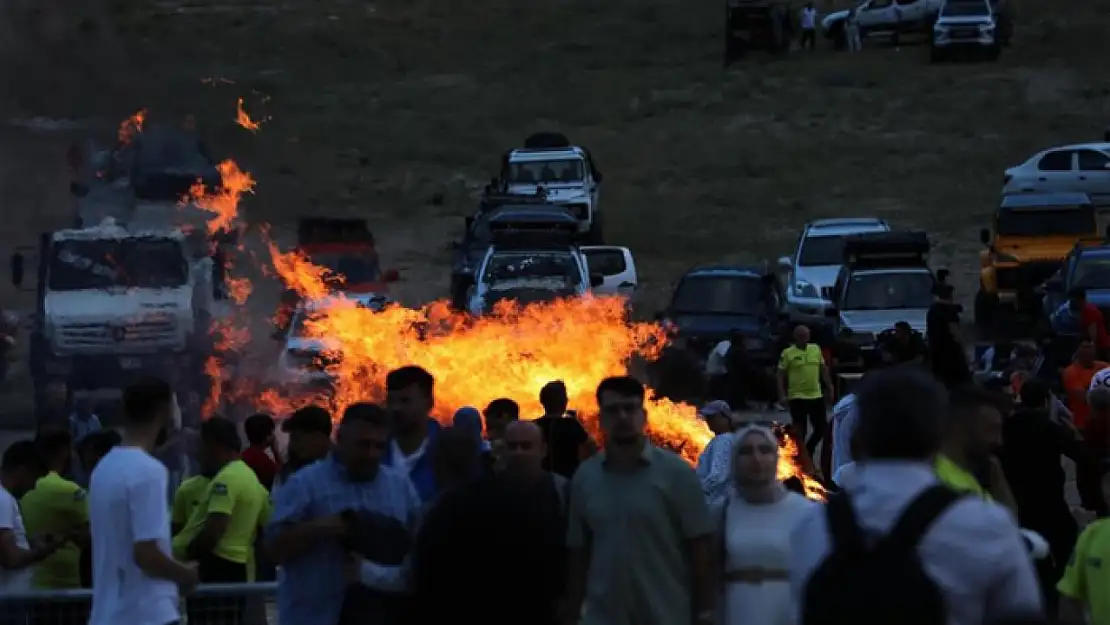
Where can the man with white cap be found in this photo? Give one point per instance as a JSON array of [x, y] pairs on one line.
[[715, 461]]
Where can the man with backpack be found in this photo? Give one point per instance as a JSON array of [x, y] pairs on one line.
[[896, 546]]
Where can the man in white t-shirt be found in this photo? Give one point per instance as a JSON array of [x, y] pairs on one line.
[[809, 27], [135, 580], [20, 468]]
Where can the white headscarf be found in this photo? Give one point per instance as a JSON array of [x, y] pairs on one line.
[[768, 492]]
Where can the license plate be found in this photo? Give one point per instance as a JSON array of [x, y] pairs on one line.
[[130, 363], [965, 33]]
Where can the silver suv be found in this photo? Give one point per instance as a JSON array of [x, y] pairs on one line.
[[811, 271]]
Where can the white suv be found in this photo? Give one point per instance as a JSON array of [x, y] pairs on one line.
[[811, 271], [965, 24]]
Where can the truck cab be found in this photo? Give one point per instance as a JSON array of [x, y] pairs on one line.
[[885, 279], [1031, 235], [560, 175]]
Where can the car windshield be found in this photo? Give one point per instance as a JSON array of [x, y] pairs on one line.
[[1039, 223], [532, 269], [1092, 271], [964, 9], [354, 267], [147, 262], [567, 170], [822, 250], [889, 290], [719, 295]]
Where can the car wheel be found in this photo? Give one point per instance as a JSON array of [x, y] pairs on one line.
[[986, 309]]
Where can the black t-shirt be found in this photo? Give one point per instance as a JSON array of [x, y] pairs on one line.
[[564, 437], [938, 323]]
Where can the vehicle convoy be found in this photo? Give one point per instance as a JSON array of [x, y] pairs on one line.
[[345, 247], [551, 168], [968, 26], [883, 18], [1078, 168], [1032, 234], [115, 303], [756, 25], [711, 302], [811, 270], [533, 258], [885, 280], [305, 358], [1087, 266]]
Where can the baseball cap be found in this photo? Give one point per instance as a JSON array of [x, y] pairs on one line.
[[308, 420], [715, 408]]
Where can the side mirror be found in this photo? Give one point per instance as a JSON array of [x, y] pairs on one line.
[[832, 313], [391, 275], [985, 236], [17, 270], [786, 264], [596, 280]]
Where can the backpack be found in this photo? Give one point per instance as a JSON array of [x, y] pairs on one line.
[[877, 582]]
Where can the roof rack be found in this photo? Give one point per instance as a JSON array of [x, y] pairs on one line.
[[886, 249]]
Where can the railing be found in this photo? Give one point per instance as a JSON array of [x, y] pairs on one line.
[[209, 604]]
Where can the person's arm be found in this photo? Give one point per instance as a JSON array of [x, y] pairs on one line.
[[578, 562], [221, 503], [1088, 474], [696, 525], [830, 389], [291, 532], [79, 518], [147, 516], [178, 518], [1000, 487], [1013, 591], [392, 578], [780, 378], [1072, 587], [12, 556]]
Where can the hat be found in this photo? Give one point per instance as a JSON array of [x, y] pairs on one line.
[[715, 408], [308, 420]]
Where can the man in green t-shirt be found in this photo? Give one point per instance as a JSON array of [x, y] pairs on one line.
[[801, 373]]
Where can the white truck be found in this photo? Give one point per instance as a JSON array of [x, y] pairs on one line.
[[886, 18]]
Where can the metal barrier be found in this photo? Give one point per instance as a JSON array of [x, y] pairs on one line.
[[209, 604]]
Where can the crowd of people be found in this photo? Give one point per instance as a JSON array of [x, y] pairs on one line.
[[946, 504]]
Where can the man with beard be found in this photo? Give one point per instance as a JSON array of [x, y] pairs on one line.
[[1030, 456], [972, 436], [135, 579], [312, 537], [639, 510], [410, 397], [947, 355]]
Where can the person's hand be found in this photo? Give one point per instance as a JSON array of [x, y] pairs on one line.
[[189, 579], [334, 525], [352, 569]]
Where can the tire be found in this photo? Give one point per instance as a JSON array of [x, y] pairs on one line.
[[986, 309]]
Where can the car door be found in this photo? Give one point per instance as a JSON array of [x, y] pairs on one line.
[[1094, 174], [1054, 171], [616, 267], [877, 15], [909, 13]]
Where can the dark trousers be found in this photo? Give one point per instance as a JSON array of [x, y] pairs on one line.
[[808, 39], [227, 610], [809, 412]]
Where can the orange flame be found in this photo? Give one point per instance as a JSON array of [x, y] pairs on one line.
[[244, 119], [511, 352], [131, 127]]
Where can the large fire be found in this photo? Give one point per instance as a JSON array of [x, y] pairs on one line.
[[510, 353]]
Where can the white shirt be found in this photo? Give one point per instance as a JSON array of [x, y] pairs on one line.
[[974, 551], [715, 363], [127, 505], [1102, 378], [715, 468], [809, 18], [844, 423], [401, 461], [11, 520]]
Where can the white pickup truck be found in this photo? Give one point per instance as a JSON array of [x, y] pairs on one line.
[[892, 18]]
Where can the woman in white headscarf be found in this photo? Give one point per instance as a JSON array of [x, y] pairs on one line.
[[756, 518]]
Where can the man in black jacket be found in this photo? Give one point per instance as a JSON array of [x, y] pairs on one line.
[[1030, 456]]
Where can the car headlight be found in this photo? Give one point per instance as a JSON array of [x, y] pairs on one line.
[[805, 289]]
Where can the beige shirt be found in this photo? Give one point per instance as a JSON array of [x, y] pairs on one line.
[[636, 526]]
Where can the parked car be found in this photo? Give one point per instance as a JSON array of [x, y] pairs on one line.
[[811, 270], [711, 302], [965, 26], [1083, 168], [1087, 266], [883, 18]]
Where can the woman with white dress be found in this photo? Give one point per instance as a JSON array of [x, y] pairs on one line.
[[756, 519]]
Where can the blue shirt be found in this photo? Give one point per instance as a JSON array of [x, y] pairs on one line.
[[422, 473], [311, 586]]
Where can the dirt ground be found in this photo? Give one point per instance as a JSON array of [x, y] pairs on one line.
[[397, 111]]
